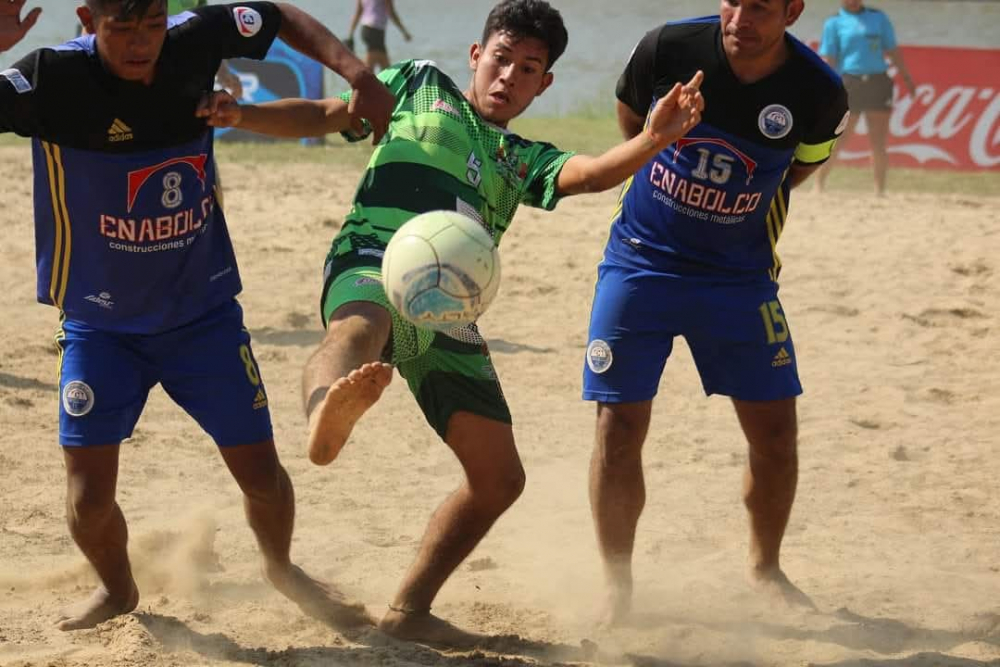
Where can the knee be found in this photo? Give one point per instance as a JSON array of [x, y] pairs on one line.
[[359, 321], [88, 505], [501, 489], [776, 447], [266, 487], [620, 436]]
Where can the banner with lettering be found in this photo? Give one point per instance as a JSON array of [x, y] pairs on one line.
[[953, 121]]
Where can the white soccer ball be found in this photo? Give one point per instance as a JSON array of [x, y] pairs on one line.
[[441, 270]]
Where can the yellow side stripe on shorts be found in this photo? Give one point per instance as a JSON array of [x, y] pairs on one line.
[[810, 153], [64, 242], [59, 338], [773, 234]]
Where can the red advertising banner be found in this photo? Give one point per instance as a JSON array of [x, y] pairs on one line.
[[953, 121]]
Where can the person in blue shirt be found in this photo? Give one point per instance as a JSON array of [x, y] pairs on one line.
[[134, 250], [692, 252], [860, 42]]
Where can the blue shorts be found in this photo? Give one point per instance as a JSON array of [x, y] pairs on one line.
[[737, 333], [206, 367]]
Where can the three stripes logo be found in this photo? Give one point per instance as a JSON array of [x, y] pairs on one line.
[[260, 401], [781, 359], [119, 132]]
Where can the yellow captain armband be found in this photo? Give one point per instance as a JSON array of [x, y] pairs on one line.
[[813, 153]]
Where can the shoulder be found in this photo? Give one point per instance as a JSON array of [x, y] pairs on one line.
[[692, 31], [811, 69], [54, 65], [818, 81]]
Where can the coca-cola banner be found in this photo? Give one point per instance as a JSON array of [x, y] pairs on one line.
[[953, 121]]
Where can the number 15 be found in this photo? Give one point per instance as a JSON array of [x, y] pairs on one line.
[[774, 322]]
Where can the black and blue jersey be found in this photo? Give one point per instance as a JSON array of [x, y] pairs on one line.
[[714, 203], [130, 236]]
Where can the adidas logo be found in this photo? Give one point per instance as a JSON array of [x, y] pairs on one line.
[[781, 359], [119, 131], [260, 401]]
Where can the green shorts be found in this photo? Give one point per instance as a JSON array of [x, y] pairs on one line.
[[446, 372]]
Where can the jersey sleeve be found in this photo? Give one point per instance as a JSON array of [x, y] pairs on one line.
[[818, 142], [829, 46], [396, 78], [244, 30], [635, 86], [19, 95], [888, 34], [543, 172]]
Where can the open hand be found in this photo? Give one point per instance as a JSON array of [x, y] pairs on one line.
[[371, 101], [12, 27], [219, 109], [676, 112]]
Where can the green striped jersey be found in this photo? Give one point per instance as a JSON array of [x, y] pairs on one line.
[[439, 154]]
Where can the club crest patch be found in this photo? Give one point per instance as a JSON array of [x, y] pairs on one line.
[[248, 21], [775, 121], [77, 398], [599, 357]]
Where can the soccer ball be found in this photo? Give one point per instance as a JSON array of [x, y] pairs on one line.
[[441, 270]]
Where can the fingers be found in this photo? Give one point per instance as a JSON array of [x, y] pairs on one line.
[[671, 98], [218, 108], [32, 17], [696, 80], [378, 131]]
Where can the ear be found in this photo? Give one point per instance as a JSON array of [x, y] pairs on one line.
[[546, 82], [475, 53], [794, 11], [86, 19]]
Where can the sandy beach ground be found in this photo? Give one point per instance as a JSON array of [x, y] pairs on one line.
[[894, 306]]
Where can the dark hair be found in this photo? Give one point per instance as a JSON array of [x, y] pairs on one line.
[[126, 8], [529, 18]]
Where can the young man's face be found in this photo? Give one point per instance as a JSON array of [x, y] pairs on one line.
[[507, 74], [852, 5], [129, 45], [752, 28]]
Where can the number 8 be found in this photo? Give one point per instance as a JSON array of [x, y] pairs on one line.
[[248, 363]]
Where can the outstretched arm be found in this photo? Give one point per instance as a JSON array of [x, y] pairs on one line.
[[290, 118], [674, 115], [370, 99], [12, 27], [395, 19], [355, 19]]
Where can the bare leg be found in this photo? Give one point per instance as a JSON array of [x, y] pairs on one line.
[[824, 171], [769, 483], [269, 503], [98, 528], [878, 132], [617, 496], [379, 60], [344, 376], [494, 480]]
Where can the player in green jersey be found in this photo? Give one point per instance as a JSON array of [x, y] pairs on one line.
[[445, 148]]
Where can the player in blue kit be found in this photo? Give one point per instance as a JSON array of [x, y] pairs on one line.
[[133, 249], [692, 252]]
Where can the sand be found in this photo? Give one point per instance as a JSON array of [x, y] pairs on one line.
[[893, 304]]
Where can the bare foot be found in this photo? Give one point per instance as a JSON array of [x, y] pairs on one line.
[[426, 628], [96, 609], [617, 606], [317, 599], [774, 584], [347, 399]]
